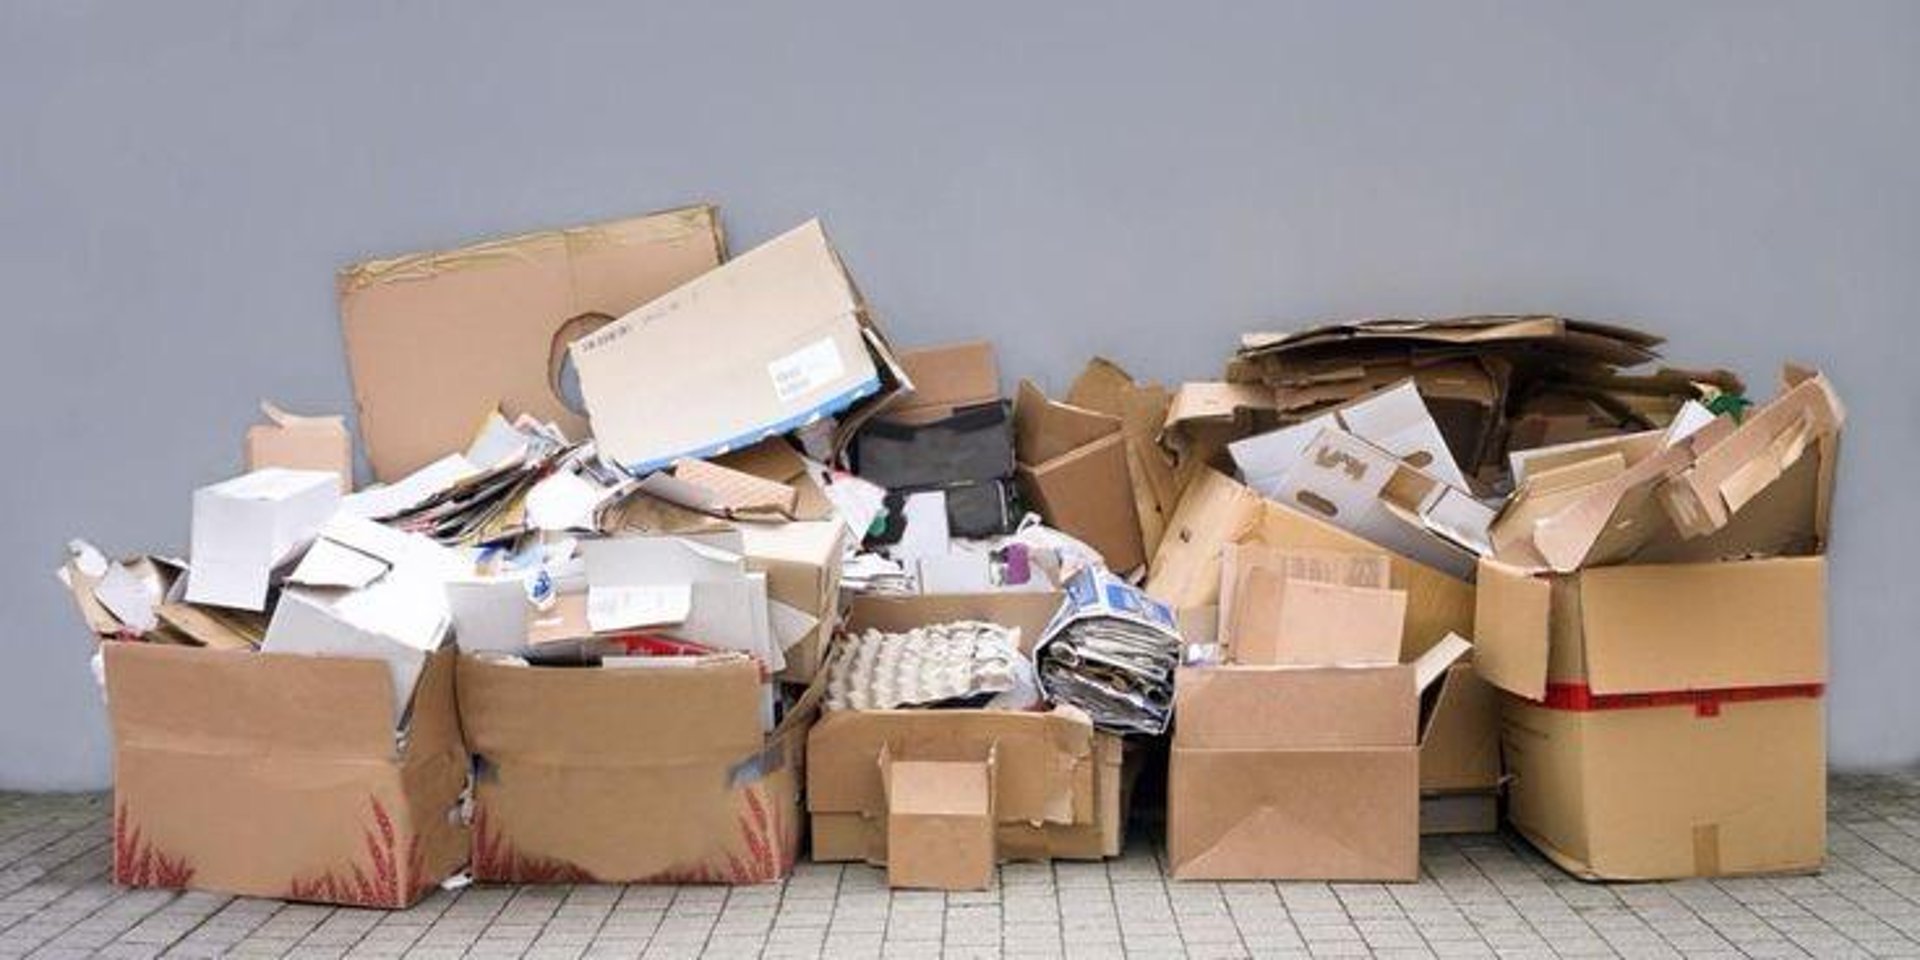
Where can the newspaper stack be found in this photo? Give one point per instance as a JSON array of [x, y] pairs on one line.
[[1111, 651]]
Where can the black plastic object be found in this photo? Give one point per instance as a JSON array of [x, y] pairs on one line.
[[974, 444]]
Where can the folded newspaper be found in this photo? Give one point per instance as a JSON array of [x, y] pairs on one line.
[[1111, 651]]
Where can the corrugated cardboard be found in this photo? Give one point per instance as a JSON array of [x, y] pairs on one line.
[[1654, 793], [939, 821], [301, 443], [435, 340], [802, 563], [1676, 727], [1460, 773], [1142, 408], [1299, 773], [1286, 621], [280, 776], [1073, 469], [648, 774], [1058, 784], [945, 379], [1216, 510], [772, 341]]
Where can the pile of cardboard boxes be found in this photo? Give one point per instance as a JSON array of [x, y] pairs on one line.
[[675, 569]]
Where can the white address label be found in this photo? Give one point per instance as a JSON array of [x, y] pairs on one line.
[[806, 369]]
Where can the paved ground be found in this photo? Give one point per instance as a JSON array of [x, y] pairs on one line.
[[1482, 897]]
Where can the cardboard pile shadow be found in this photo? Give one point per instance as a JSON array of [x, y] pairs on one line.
[[674, 570]]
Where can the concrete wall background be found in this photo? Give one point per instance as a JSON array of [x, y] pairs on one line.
[[179, 181]]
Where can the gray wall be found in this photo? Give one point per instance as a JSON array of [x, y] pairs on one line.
[[178, 182]]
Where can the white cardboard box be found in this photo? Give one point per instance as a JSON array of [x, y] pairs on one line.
[[245, 527]]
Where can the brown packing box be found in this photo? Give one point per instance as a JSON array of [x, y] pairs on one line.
[[1217, 510], [939, 821], [1060, 787], [1664, 720], [435, 340], [646, 774], [279, 776], [1073, 469], [802, 563], [945, 379], [1294, 773]]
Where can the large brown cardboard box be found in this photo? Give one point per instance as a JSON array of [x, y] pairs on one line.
[[1073, 469], [653, 774], [274, 775], [434, 340], [1294, 773], [1664, 720], [1060, 787]]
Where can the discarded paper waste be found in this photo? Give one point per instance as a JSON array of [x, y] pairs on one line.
[[678, 571]]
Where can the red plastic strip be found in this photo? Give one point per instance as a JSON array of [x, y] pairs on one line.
[[1705, 703]]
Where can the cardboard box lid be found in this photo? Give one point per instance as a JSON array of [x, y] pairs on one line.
[[1656, 627], [1043, 761], [946, 378], [436, 339], [201, 700], [773, 340], [704, 709], [1294, 708]]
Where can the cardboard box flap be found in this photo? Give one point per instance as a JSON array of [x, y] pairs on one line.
[[700, 711], [1511, 629], [1730, 472], [1045, 430], [1294, 708], [771, 341], [1460, 735], [1043, 761], [434, 337], [1214, 511], [209, 701], [1659, 628]]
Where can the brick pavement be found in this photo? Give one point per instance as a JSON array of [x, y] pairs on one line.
[[1487, 896]]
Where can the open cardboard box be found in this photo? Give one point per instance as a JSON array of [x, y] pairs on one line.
[[1299, 773], [1060, 787], [281, 776], [1073, 470], [656, 773], [940, 820]]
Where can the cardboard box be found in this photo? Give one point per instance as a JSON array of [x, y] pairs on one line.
[[1216, 510], [939, 821], [1059, 786], [1294, 773], [801, 561], [1104, 387], [245, 527], [1666, 720], [281, 776], [946, 379], [774, 340], [1073, 470], [1460, 773], [656, 773], [435, 340], [301, 443]]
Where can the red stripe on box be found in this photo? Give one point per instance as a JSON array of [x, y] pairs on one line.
[[1705, 703]]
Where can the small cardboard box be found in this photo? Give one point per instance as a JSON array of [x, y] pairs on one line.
[[801, 561], [946, 379], [939, 821], [776, 339], [435, 340], [1665, 720], [281, 776], [1059, 785], [657, 773], [1073, 469], [1104, 387]]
